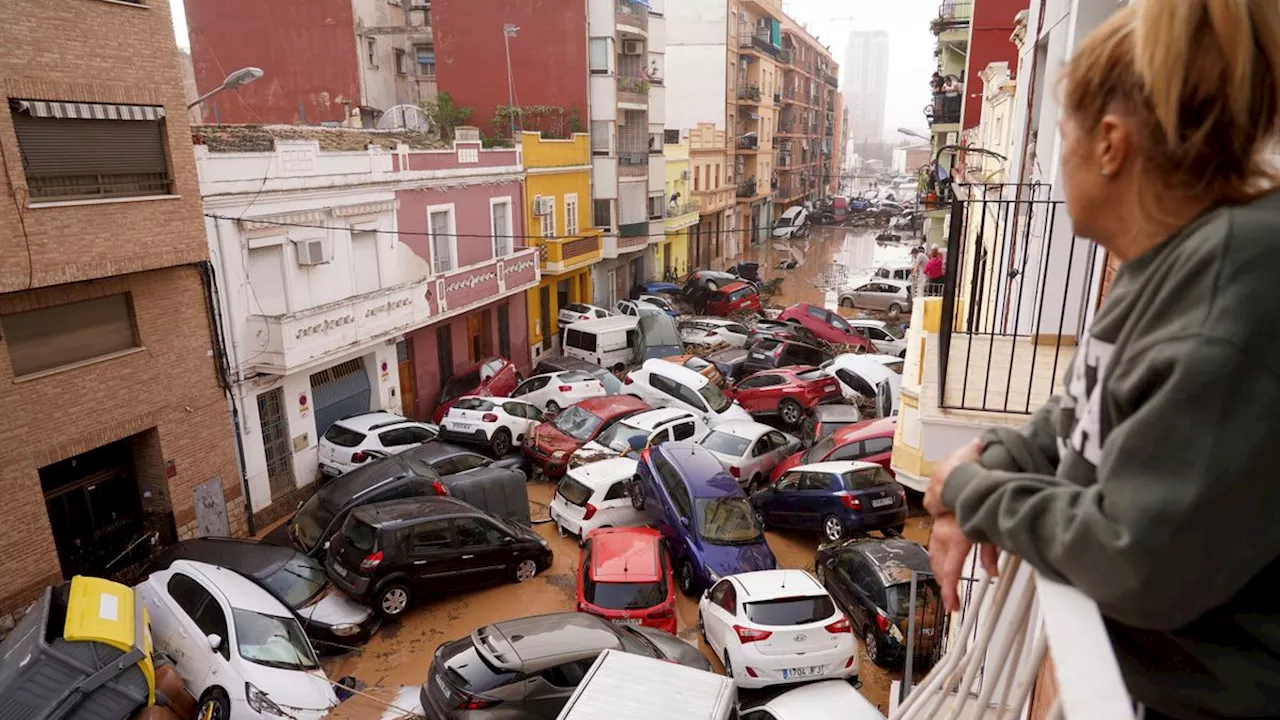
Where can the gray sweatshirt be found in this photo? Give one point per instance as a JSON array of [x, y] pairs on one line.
[[1152, 484]]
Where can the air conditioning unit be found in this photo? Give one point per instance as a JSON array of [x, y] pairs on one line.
[[543, 205], [314, 252], [632, 47]]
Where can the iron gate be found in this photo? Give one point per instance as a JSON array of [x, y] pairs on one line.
[[275, 443]]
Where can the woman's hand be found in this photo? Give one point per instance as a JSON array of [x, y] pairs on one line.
[[948, 548], [969, 452]]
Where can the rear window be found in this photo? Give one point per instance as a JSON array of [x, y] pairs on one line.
[[460, 385], [575, 376], [899, 596], [343, 437], [478, 404], [767, 347], [626, 596], [868, 478], [574, 491], [359, 534], [577, 308], [725, 443], [470, 671], [811, 375], [790, 611]]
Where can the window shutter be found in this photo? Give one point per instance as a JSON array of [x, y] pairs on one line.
[[72, 157]]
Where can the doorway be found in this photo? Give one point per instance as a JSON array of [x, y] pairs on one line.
[[637, 271], [338, 392], [408, 379], [544, 302], [275, 443], [95, 510], [475, 337], [612, 284]]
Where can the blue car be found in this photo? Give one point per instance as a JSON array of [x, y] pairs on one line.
[[702, 513], [833, 498], [655, 288]]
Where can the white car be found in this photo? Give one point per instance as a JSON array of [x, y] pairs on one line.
[[893, 363], [887, 339], [792, 223], [577, 312], [660, 302], [663, 384], [634, 433], [861, 376], [496, 422], [556, 391], [638, 308], [348, 442], [773, 627], [595, 496], [239, 649], [826, 700], [713, 331], [749, 450], [880, 294]]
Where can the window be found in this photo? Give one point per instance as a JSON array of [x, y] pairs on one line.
[[788, 483], [602, 213], [460, 464], [443, 242], [815, 481], [618, 491], [402, 64], [444, 351], [600, 140], [63, 335], [873, 446], [599, 49], [656, 206], [848, 451], [571, 214], [69, 157], [364, 262], [430, 537], [683, 431], [473, 532], [697, 178], [717, 177], [504, 330], [500, 227], [201, 607], [671, 137], [569, 674], [726, 596], [371, 53], [549, 223], [426, 61]]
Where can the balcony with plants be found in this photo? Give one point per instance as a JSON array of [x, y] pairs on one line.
[[632, 15]]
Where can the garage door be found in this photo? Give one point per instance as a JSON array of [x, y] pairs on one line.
[[339, 391]]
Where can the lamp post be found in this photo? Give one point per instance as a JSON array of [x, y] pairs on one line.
[[914, 134], [509, 31], [237, 79]]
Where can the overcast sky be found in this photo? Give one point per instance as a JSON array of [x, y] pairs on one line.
[[910, 57]]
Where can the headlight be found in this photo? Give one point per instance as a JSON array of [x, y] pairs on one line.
[[345, 629], [559, 455], [715, 576], [259, 702]]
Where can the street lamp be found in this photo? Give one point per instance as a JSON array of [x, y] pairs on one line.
[[914, 134], [239, 78]]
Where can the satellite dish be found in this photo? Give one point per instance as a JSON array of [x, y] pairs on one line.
[[405, 117]]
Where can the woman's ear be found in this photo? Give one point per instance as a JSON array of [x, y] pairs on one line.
[[1113, 145]]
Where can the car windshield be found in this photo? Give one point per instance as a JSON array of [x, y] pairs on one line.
[[811, 375], [577, 308], [273, 641], [577, 423], [716, 399], [343, 437], [310, 522], [790, 611], [728, 521], [627, 596], [622, 436], [725, 444], [573, 491], [636, 644], [460, 385], [820, 450], [298, 581]]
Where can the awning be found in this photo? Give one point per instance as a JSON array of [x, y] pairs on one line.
[[88, 111]]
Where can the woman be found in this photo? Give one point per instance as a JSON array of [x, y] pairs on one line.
[[934, 268], [1151, 484]]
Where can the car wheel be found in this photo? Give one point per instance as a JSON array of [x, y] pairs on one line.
[[728, 666], [872, 646], [702, 629], [501, 442], [214, 705], [821, 573], [552, 407], [846, 302], [832, 528], [524, 570], [790, 412], [896, 530], [712, 285], [519, 378], [685, 578], [393, 600], [760, 519], [895, 309], [635, 490]]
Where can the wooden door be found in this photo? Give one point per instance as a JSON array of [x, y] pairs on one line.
[[408, 380], [475, 337]]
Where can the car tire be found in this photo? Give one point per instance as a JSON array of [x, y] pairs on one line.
[[635, 491], [684, 576], [552, 407], [846, 302], [220, 702], [896, 530], [702, 629], [832, 528], [500, 444], [871, 644], [393, 599], [755, 483], [790, 412], [712, 285], [820, 573], [524, 570], [895, 309], [760, 519]]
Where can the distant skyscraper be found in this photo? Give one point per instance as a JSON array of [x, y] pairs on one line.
[[866, 84]]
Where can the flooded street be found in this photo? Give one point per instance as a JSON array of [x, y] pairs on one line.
[[395, 662]]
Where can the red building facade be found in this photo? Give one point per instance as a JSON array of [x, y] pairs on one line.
[[992, 25]]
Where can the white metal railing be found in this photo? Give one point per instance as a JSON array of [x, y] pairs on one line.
[[990, 670]]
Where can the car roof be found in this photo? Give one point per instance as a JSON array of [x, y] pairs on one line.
[[866, 322], [792, 211], [346, 487], [390, 513], [679, 373], [433, 451], [878, 427], [836, 412], [816, 699], [604, 472], [734, 287], [650, 419], [870, 370], [836, 466], [774, 584], [890, 281], [792, 370], [568, 362], [894, 558], [705, 320], [607, 406], [244, 556], [365, 422], [626, 555], [748, 429], [239, 591], [531, 644], [600, 325], [700, 468]]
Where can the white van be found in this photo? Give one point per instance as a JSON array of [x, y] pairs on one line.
[[622, 686], [606, 342]]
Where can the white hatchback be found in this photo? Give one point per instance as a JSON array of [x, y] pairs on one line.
[[713, 331], [577, 312], [239, 649], [595, 496], [749, 450], [774, 627], [664, 384], [630, 434], [495, 422], [348, 441], [886, 338], [638, 308], [826, 700], [555, 391]]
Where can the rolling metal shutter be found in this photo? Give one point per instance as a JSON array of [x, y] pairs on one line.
[[339, 391]]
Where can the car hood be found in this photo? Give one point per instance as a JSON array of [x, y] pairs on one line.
[[549, 439], [735, 412], [733, 559], [595, 452], [675, 649], [787, 463], [292, 689], [335, 608]]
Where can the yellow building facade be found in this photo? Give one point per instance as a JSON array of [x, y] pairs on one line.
[[558, 220], [682, 213]]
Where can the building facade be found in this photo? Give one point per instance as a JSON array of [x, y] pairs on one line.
[[806, 155], [557, 212], [103, 269], [755, 97], [682, 210], [866, 84], [324, 61], [714, 239]]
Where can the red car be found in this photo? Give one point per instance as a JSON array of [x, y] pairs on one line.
[[624, 577], [827, 326], [734, 298], [550, 444], [495, 376], [868, 441], [786, 392]]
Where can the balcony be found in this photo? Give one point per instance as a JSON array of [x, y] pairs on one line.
[[633, 93], [759, 43], [681, 216], [952, 23], [632, 16], [566, 255], [749, 94], [788, 95], [945, 109], [786, 56], [749, 142], [713, 201], [633, 163], [830, 79]]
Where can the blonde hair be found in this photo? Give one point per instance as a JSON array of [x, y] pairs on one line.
[[1200, 79]]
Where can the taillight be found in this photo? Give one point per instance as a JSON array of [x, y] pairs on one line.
[[850, 501], [626, 380], [584, 317], [590, 512], [490, 417], [565, 388], [439, 488], [477, 703], [840, 626], [902, 496], [372, 561], [747, 635], [358, 457], [849, 663], [882, 622], [734, 471]]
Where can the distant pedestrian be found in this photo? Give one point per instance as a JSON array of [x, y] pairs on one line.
[[934, 269]]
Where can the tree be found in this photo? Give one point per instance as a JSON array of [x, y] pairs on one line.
[[446, 114]]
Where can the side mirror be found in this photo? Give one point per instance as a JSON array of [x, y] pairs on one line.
[[508, 540], [215, 641]]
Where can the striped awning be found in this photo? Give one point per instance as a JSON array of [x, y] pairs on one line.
[[88, 111]]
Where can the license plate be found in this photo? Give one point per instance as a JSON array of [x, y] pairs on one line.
[[461, 427], [340, 570], [803, 672], [881, 502], [627, 621]]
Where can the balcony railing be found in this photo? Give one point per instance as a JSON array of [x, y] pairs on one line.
[[757, 41], [562, 255], [944, 110], [1013, 308], [749, 93], [633, 90], [952, 15], [786, 56], [831, 80], [747, 189], [749, 142], [632, 14]]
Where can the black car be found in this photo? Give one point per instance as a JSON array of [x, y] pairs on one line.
[[612, 385], [772, 354], [824, 420], [391, 553], [871, 581], [764, 329], [331, 618], [729, 362]]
